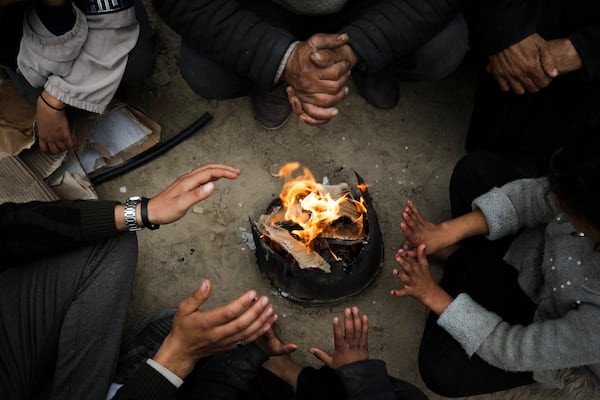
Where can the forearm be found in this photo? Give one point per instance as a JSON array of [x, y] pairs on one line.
[[587, 44], [35, 229], [463, 227]]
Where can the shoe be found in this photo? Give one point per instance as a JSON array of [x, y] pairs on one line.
[[142, 343], [377, 90], [272, 109]]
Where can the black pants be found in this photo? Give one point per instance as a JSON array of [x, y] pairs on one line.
[[478, 269], [318, 384]]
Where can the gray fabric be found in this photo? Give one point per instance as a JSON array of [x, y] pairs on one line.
[[61, 318], [561, 272], [84, 67]]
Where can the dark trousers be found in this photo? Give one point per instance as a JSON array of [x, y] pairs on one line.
[[61, 321], [434, 60], [477, 269]]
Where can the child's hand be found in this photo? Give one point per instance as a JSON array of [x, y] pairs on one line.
[[417, 230], [415, 275]]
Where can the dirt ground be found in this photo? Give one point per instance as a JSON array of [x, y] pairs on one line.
[[405, 153]]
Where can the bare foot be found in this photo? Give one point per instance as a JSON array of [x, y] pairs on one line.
[[417, 230], [285, 368]]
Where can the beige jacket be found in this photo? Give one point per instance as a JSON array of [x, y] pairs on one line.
[[83, 67]]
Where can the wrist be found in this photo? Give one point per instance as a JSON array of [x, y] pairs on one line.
[[49, 101], [437, 300], [171, 357]]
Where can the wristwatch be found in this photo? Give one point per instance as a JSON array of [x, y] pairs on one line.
[[130, 213]]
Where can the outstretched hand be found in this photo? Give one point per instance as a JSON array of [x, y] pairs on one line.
[[350, 343], [415, 275], [197, 334], [173, 203], [526, 66]]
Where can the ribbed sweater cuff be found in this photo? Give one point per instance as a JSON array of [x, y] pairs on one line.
[[98, 220], [147, 384]]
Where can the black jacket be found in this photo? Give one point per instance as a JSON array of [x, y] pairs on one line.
[[240, 41]]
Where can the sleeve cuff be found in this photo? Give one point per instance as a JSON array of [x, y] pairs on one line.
[[164, 371], [284, 61], [499, 212], [468, 322]]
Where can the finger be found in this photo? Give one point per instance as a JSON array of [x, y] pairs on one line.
[[322, 355], [193, 302], [328, 40], [210, 173], [249, 321], [43, 146], [256, 328], [53, 148], [348, 324], [357, 323], [227, 313], [516, 86], [337, 72], [364, 336], [338, 335], [323, 99], [421, 257], [414, 210], [324, 58], [548, 62], [320, 113], [399, 292]]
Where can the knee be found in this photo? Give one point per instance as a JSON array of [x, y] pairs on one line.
[[209, 79], [443, 54], [437, 374]]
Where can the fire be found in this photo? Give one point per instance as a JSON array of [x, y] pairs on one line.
[[311, 205]]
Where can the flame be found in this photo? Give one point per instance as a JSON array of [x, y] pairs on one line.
[[309, 205]]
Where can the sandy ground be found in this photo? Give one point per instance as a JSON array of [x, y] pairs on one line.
[[407, 152]]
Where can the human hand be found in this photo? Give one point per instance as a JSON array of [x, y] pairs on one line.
[[566, 56], [173, 202], [350, 345], [53, 130], [415, 275], [526, 66], [417, 230], [197, 334], [271, 345], [317, 72]]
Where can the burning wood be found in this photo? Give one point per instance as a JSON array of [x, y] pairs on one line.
[[310, 211]]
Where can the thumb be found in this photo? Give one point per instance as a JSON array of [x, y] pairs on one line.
[[192, 303], [322, 355], [204, 191], [421, 257], [328, 40], [548, 62], [324, 58]]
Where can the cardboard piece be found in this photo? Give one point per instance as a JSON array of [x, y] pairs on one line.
[[19, 184], [16, 120], [118, 136]]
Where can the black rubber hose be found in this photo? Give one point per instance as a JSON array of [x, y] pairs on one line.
[[152, 152]]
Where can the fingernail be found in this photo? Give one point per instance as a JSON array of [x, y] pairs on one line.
[[316, 55], [270, 311], [343, 36], [264, 301], [204, 285], [346, 89], [208, 187], [335, 111], [252, 296]]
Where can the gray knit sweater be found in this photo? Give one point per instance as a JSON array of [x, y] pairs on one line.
[[559, 271]]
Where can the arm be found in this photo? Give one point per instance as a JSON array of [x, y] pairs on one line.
[[391, 29], [36, 229], [558, 343], [197, 334], [587, 45], [233, 37]]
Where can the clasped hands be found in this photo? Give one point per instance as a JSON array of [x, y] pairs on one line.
[[316, 72], [531, 64]]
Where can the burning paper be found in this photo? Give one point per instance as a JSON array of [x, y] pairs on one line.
[[312, 211]]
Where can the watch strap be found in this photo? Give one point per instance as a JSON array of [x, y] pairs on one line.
[[144, 212], [130, 213]]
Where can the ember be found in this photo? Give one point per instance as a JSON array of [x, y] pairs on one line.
[[316, 240]]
